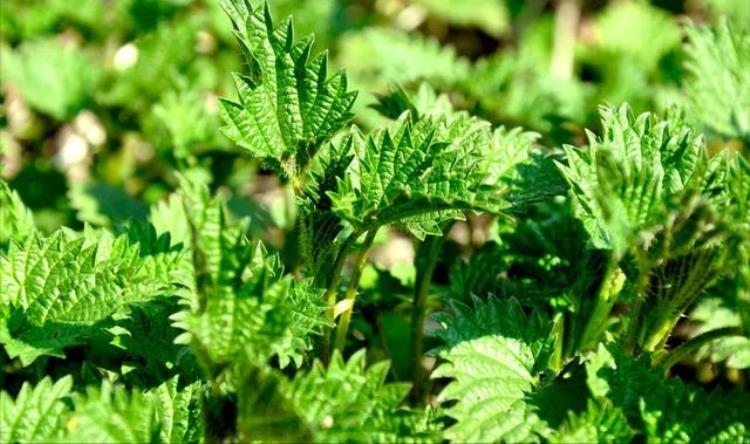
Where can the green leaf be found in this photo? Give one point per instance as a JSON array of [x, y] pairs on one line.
[[667, 411], [479, 275], [263, 411], [600, 422], [112, 414], [342, 403], [287, 104], [718, 91], [178, 411], [16, 221], [37, 414], [147, 337], [494, 355], [319, 226], [242, 307], [711, 314], [621, 182], [27, 20], [58, 290], [736, 12], [420, 174], [163, 53], [54, 79]]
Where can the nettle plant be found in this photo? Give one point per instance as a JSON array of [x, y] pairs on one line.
[[184, 329]]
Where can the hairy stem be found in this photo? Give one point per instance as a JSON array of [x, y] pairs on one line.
[[676, 303], [688, 348], [331, 290], [597, 318], [427, 257], [636, 312], [351, 292], [566, 25]]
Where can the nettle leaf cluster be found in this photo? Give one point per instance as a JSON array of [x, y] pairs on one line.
[[184, 328]]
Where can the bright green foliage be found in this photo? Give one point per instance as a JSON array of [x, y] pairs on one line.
[[517, 87], [732, 10], [342, 403], [647, 190], [112, 414], [670, 411], [310, 17], [418, 174], [16, 221], [358, 401], [37, 414], [714, 313], [719, 91], [178, 411], [288, 105], [163, 56], [600, 422], [415, 272], [242, 306], [52, 78], [320, 227], [622, 182], [147, 337], [495, 354], [424, 102], [58, 290], [167, 413]]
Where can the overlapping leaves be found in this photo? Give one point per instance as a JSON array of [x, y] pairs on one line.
[[58, 290], [241, 305], [621, 183], [667, 411], [418, 174], [52, 412], [288, 104], [347, 401]]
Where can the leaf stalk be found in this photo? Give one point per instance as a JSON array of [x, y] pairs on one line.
[[351, 293], [691, 346], [427, 257], [331, 290]]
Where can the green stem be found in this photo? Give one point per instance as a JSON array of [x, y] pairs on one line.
[[558, 333], [331, 290], [691, 346], [427, 257], [636, 313], [670, 311], [598, 317], [351, 292]]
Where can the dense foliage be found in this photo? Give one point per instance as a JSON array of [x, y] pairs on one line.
[[501, 221]]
